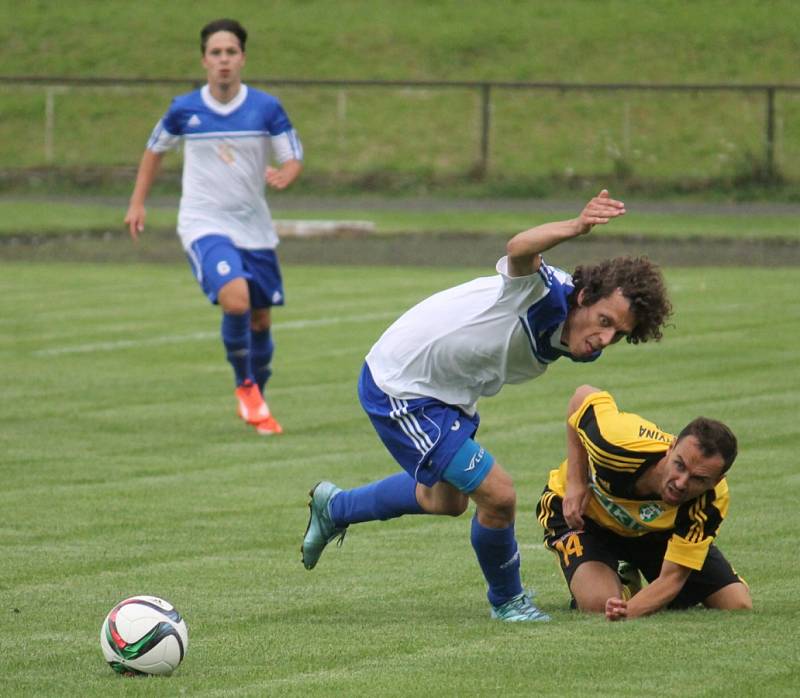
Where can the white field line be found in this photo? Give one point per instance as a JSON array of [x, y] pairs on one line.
[[194, 336]]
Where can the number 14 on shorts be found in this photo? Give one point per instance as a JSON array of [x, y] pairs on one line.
[[569, 546]]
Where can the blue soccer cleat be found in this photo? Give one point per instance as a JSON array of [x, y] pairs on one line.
[[519, 609], [321, 529]]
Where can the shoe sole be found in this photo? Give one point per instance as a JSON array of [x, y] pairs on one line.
[[542, 618], [263, 432], [310, 514], [268, 432]]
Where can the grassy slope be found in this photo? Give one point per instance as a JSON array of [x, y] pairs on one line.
[[534, 137], [126, 471], [612, 40]]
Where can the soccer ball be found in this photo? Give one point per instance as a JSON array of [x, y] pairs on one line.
[[144, 635]]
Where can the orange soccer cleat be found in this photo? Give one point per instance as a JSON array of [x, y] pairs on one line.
[[269, 427], [252, 408]]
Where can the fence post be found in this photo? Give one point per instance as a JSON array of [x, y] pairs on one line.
[[49, 123], [341, 119], [483, 165], [769, 142]]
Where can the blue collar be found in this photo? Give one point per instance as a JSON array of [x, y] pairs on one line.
[[544, 317]]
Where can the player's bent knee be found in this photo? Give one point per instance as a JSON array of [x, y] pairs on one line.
[[592, 584], [496, 499], [260, 326], [234, 297], [497, 502], [235, 305], [734, 597], [503, 504], [260, 320], [742, 605], [593, 604], [592, 600]]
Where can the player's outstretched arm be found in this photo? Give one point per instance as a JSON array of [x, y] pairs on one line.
[[149, 166], [524, 249]]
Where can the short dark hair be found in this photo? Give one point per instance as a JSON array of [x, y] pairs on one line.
[[714, 439], [640, 281], [222, 25]]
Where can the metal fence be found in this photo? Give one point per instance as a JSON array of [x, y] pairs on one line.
[[487, 94]]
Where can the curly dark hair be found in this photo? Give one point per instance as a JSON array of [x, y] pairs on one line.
[[640, 281]]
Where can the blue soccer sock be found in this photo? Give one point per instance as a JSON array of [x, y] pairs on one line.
[[498, 556], [236, 338], [261, 349], [380, 500]]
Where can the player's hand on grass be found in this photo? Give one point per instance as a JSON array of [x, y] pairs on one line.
[[600, 210], [134, 219], [575, 500], [616, 609]]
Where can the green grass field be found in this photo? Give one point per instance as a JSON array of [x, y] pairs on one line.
[[126, 471]]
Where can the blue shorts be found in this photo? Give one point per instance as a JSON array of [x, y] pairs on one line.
[[422, 434], [215, 261]]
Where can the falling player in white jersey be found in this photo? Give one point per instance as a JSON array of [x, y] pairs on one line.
[[422, 380], [231, 133]]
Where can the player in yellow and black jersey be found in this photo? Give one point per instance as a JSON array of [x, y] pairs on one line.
[[631, 494]]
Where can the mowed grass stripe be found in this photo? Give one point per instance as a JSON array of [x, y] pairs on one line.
[[180, 339], [128, 472]]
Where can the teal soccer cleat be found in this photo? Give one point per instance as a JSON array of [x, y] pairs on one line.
[[321, 529], [520, 608]]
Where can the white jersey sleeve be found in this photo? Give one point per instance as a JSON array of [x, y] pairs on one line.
[[161, 140], [462, 343], [286, 146]]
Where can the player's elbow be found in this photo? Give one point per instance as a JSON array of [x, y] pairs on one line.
[[519, 250], [512, 248]]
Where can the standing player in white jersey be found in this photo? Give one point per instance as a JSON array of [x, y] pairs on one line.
[[421, 383], [231, 133]]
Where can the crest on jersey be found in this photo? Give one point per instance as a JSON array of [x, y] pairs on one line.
[[617, 512], [226, 153], [194, 122], [649, 512]]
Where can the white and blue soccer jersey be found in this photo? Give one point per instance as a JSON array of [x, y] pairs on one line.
[[470, 340], [227, 148]]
